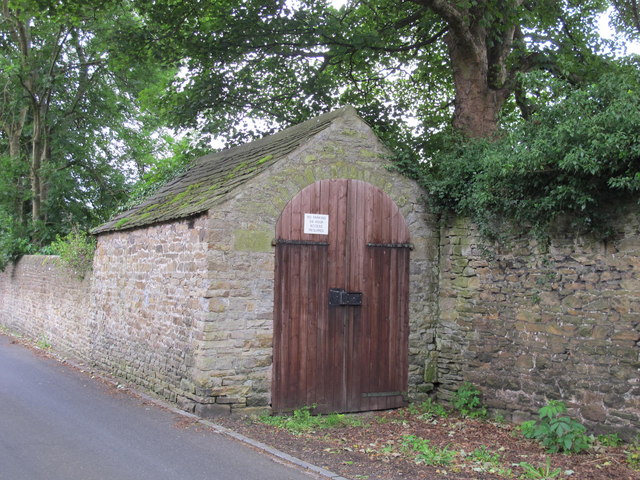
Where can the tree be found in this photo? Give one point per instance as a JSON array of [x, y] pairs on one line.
[[578, 159], [72, 132], [503, 74], [443, 61]]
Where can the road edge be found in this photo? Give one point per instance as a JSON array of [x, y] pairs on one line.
[[136, 390]]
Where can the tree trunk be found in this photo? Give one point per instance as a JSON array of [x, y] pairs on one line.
[[477, 104], [36, 163], [478, 48]]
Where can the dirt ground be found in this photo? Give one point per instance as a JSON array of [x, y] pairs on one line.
[[374, 451]]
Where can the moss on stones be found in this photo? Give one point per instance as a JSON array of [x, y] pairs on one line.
[[252, 240], [122, 222]]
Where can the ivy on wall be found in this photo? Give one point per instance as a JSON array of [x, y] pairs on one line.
[[572, 159]]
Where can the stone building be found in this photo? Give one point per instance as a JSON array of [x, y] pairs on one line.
[[183, 286]]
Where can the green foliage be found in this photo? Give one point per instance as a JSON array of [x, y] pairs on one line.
[[161, 170], [466, 400], [557, 433], [626, 18], [14, 241], [609, 440], [482, 454], [541, 472], [74, 130], [428, 410], [487, 461], [389, 59], [109, 76], [633, 455], [43, 343], [302, 420], [425, 453], [572, 160], [76, 251]]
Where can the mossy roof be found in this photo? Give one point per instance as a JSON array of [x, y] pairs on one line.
[[213, 177]]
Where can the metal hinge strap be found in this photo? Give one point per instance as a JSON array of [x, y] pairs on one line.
[[281, 241], [384, 394], [391, 245]]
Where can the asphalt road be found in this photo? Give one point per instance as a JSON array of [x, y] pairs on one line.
[[57, 423]]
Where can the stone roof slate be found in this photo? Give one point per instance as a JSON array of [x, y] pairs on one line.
[[213, 177]]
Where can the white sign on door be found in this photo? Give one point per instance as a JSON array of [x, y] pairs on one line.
[[316, 224]]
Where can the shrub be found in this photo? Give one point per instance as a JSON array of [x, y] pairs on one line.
[[467, 401], [75, 250], [557, 433], [571, 160]]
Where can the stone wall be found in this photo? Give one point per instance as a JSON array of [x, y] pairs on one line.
[[150, 302], [139, 316], [47, 302], [528, 322], [186, 308]]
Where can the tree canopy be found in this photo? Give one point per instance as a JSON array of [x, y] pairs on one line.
[[440, 62], [472, 95], [72, 131], [510, 101]]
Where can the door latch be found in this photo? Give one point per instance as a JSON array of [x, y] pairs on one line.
[[339, 297]]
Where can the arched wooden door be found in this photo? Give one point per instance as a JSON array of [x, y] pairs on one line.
[[341, 300]]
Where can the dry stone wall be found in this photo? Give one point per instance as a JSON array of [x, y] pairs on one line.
[[528, 322], [149, 302], [45, 301], [185, 309], [140, 314]]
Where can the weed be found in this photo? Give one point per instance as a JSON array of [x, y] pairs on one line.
[[499, 419], [541, 472], [43, 343], [556, 433], [430, 409], [609, 440], [467, 401], [388, 449], [427, 410], [303, 421], [382, 420], [425, 453], [483, 454], [633, 455], [75, 250], [486, 461]]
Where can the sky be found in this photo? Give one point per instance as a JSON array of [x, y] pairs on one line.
[[606, 32]]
